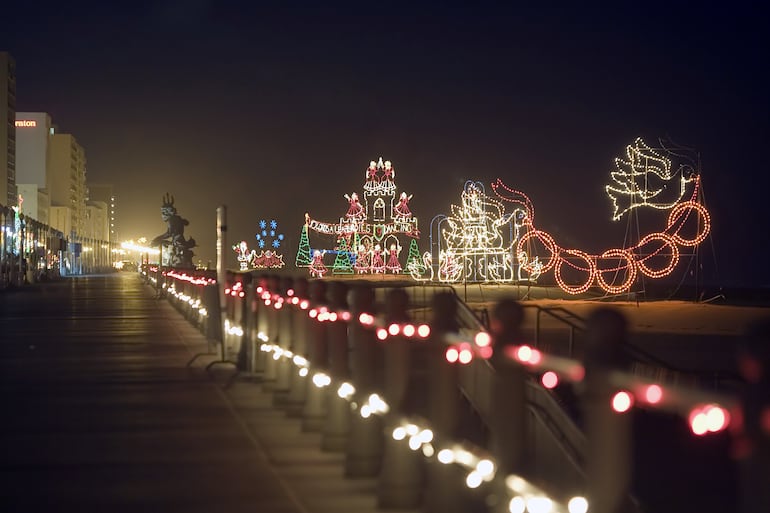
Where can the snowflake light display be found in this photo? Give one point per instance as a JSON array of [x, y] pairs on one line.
[[640, 181], [366, 238], [477, 239], [269, 241]]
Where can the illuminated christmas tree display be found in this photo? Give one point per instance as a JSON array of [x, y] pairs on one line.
[[304, 257], [414, 261], [342, 263], [369, 232], [269, 240], [644, 179]]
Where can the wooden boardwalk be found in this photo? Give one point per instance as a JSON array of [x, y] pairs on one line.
[[102, 414]]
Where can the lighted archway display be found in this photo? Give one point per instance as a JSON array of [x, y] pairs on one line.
[[643, 179], [366, 240]]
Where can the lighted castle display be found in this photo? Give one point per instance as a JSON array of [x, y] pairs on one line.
[[369, 238]]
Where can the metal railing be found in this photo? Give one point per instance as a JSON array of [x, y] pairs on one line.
[[353, 361]]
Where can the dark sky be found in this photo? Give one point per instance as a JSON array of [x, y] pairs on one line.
[[277, 108]]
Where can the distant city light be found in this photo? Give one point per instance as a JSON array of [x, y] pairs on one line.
[[132, 246]]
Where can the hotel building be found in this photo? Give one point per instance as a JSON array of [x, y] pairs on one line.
[[7, 129]]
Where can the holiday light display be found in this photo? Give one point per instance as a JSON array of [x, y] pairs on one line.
[[268, 259], [317, 267], [342, 264], [367, 236], [268, 234], [269, 241], [414, 262], [639, 181], [474, 246], [245, 257], [642, 181]]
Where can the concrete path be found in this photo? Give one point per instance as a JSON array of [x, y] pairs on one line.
[[101, 414]]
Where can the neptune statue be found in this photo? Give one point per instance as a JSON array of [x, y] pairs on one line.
[[179, 249]]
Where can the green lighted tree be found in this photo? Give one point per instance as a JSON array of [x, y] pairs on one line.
[[342, 263], [413, 259], [303, 254]]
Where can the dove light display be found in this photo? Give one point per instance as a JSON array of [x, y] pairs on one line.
[[643, 179]]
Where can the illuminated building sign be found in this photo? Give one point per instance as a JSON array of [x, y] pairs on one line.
[[26, 123]]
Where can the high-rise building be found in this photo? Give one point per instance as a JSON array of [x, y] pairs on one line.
[[7, 129], [67, 180], [105, 193], [34, 133], [97, 224]]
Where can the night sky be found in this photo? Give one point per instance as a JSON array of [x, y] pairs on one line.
[[276, 110]]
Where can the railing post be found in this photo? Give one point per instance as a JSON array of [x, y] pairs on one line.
[[271, 330], [364, 450], [752, 443], [159, 280], [608, 433], [335, 431], [250, 326], [213, 320], [229, 313], [300, 329], [240, 318], [400, 483], [443, 495], [508, 424], [260, 321], [314, 411], [268, 329], [284, 366]]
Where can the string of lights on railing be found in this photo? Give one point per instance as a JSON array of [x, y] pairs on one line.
[[195, 280], [194, 303], [479, 466], [150, 273], [705, 412]]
